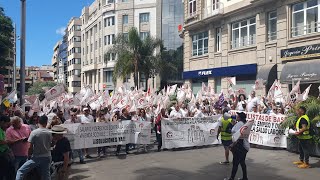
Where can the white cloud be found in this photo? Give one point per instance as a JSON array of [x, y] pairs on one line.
[[61, 31]]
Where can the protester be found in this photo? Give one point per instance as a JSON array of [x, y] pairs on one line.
[[17, 136], [239, 149], [303, 134], [253, 101], [158, 125], [61, 116], [7, 169], [55, 121], [86, 118], [73, 120], [143, 118], [176, 113], [241, 103], [61, 152], [40, 144], [125, 116], [102, 119], [225, 127], [33, 122]]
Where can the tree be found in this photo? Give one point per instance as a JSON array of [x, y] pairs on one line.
[[6, 44], [38, 87], [172, 65], [134, 55]]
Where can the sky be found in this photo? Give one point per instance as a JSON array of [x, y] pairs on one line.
[[46, 20]]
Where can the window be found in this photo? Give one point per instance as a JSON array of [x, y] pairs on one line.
[[96, 45], [77, 28], [77, 50], [125, 36], [218, 39], [77, 39], [192, 7], [125, 19], [109, 21], [272, 26], [82, 51], [76, 83], [110, 39], [105, 40], [144, 35], [243, 33], [109, 76], [87, 50], [99, 42], [215, 4], [305, 17], [95, 29], [99, 25], [200, 44], [91, 47], [99, 59], [144, 17]]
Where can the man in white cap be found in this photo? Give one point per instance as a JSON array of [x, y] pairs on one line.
[[60, 152]]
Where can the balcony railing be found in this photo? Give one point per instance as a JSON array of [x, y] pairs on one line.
[[214, 9], [301, 30]]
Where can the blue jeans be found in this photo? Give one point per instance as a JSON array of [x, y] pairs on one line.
[[79, 152], [43, 163], [19, 161]]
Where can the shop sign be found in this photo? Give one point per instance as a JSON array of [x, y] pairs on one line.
[[303, 76], [205, 73], [302, 52]]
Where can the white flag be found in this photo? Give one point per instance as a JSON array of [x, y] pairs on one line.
[[304, 96], [54, 92], [244, 131]]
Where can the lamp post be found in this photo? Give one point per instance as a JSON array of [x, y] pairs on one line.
[[23, 54]]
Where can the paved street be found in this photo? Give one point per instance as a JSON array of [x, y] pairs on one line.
[[193, 164]]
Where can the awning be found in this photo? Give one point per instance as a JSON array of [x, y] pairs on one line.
[[228, 71], [268, 73], [306, 71]]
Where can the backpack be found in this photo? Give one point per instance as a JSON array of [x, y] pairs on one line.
[[314, 130]]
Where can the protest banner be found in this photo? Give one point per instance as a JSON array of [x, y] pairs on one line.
[[266, 130], [188, 132], [108, 134]]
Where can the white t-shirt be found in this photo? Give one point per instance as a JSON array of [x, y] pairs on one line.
[[252, 102], [86, 119], [175, 114], [184, 112], [240, 105]]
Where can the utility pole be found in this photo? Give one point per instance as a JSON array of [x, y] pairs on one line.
[[14, 82], [23, 54]]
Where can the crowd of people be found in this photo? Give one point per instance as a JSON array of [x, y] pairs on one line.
[[33, 141]]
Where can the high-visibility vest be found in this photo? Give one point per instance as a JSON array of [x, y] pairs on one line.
[[305, 134], [224, 135]]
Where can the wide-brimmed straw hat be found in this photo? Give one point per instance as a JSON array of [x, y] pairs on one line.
[[57, 129]]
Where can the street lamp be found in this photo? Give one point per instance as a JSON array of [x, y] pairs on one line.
[[23, 54]]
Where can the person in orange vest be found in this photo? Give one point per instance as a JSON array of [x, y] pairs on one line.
[[302, 132]]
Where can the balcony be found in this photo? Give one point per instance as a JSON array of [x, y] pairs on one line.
[[213, 9]]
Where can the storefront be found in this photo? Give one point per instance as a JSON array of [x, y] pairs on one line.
[[302, 64], [245, 77], [268, 73]]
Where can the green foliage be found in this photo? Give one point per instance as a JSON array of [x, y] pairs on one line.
[[37, 87], [171, 67], [134, 55], [6, 30], [312, 105]]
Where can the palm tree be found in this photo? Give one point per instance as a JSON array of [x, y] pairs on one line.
[[134, 55]]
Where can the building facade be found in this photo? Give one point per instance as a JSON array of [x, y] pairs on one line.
[[251, 39], [102, 21], [74, 55], [62, 63], [55, 60]]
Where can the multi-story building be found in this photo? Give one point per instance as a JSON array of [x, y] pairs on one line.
[[250, 39], [172, 16], [62, 76], [55, 60], [35, 74], [74, 55], [102, 21]]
